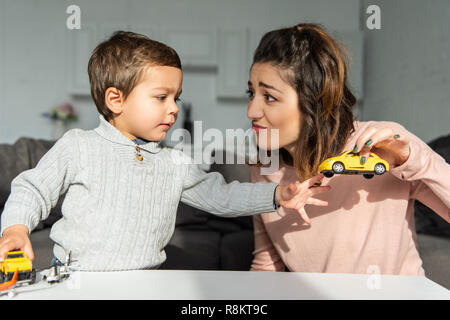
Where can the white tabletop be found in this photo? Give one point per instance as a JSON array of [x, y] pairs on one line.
[[231, 285]]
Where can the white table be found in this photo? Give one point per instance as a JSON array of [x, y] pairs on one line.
[[231, 285]]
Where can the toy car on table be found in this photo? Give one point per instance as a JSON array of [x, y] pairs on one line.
[[17, 260], [349, 163]]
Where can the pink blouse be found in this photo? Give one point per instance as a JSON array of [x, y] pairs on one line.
[[368, 224]]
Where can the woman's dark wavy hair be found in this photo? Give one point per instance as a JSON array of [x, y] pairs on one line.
[[315, 66]]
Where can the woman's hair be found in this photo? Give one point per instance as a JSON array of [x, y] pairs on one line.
[[120, 62], [314, 64]]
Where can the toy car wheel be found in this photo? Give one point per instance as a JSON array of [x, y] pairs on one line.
[[328, 174], [338, 167], [368, 175], [33, 276], [380, 168], [2, 277]]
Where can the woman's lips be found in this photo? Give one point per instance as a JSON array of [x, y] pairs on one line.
[[257, 127]]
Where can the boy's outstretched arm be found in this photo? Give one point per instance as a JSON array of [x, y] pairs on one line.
[[34, 193], [210, 192]]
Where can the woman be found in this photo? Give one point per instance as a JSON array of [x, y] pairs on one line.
[[298, 85]]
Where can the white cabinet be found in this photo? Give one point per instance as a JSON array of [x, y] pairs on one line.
[[80, 43], [228, 51], [233, 69], [197, 48], [152, 32], [254, 37], [105, 31]]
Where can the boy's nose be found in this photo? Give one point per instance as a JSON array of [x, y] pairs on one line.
[[174, 108]]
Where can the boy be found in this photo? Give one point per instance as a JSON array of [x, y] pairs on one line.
[[123, 187]]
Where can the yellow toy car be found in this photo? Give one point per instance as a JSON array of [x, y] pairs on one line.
[[349, 163], [17, 260]]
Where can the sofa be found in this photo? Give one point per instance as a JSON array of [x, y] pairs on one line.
[[202, 241]]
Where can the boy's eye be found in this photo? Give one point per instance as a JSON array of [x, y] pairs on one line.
[[161, 98]]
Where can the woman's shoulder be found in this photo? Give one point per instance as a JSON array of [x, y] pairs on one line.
[[362, 125], [396, 128]]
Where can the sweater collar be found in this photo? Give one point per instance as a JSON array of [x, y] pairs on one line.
[[111, 133]]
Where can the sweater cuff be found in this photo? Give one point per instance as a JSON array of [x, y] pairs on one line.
[[15, 218], [274, 198], [265, 201], [415, 163]]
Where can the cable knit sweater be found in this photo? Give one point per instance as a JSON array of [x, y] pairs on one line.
[[121, 202]]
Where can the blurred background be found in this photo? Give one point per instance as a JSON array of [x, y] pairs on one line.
[[400, 72]]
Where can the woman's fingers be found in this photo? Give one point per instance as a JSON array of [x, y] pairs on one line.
[[386, 139], [379, 136], [384, 134], [363, 138]]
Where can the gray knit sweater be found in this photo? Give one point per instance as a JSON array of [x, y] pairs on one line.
[[119, 210]]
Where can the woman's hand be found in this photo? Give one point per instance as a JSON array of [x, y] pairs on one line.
[[385, 143], [295, 196]]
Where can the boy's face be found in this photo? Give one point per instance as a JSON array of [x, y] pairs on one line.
[[150, 109]]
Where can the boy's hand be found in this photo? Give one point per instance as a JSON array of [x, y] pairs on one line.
[[295, 196], [15, 237]]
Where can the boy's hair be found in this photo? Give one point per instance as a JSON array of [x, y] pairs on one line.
[[120, 61]]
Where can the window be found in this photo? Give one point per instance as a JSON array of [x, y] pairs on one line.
[[14, 256]]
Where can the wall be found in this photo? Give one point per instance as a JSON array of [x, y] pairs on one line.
[[33, 65], [407, 66]]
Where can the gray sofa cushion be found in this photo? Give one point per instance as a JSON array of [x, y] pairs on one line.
[[193, 248], [427, 221], [236, 250], [24, 154]]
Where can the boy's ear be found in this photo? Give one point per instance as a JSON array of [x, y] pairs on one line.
[[114, 100]]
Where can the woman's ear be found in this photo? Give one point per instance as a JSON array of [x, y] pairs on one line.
[[114, 100]]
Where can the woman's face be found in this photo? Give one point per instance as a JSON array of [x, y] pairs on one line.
[[273, 104]]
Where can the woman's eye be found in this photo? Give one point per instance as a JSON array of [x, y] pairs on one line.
[[249, 93], [269, 98]]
